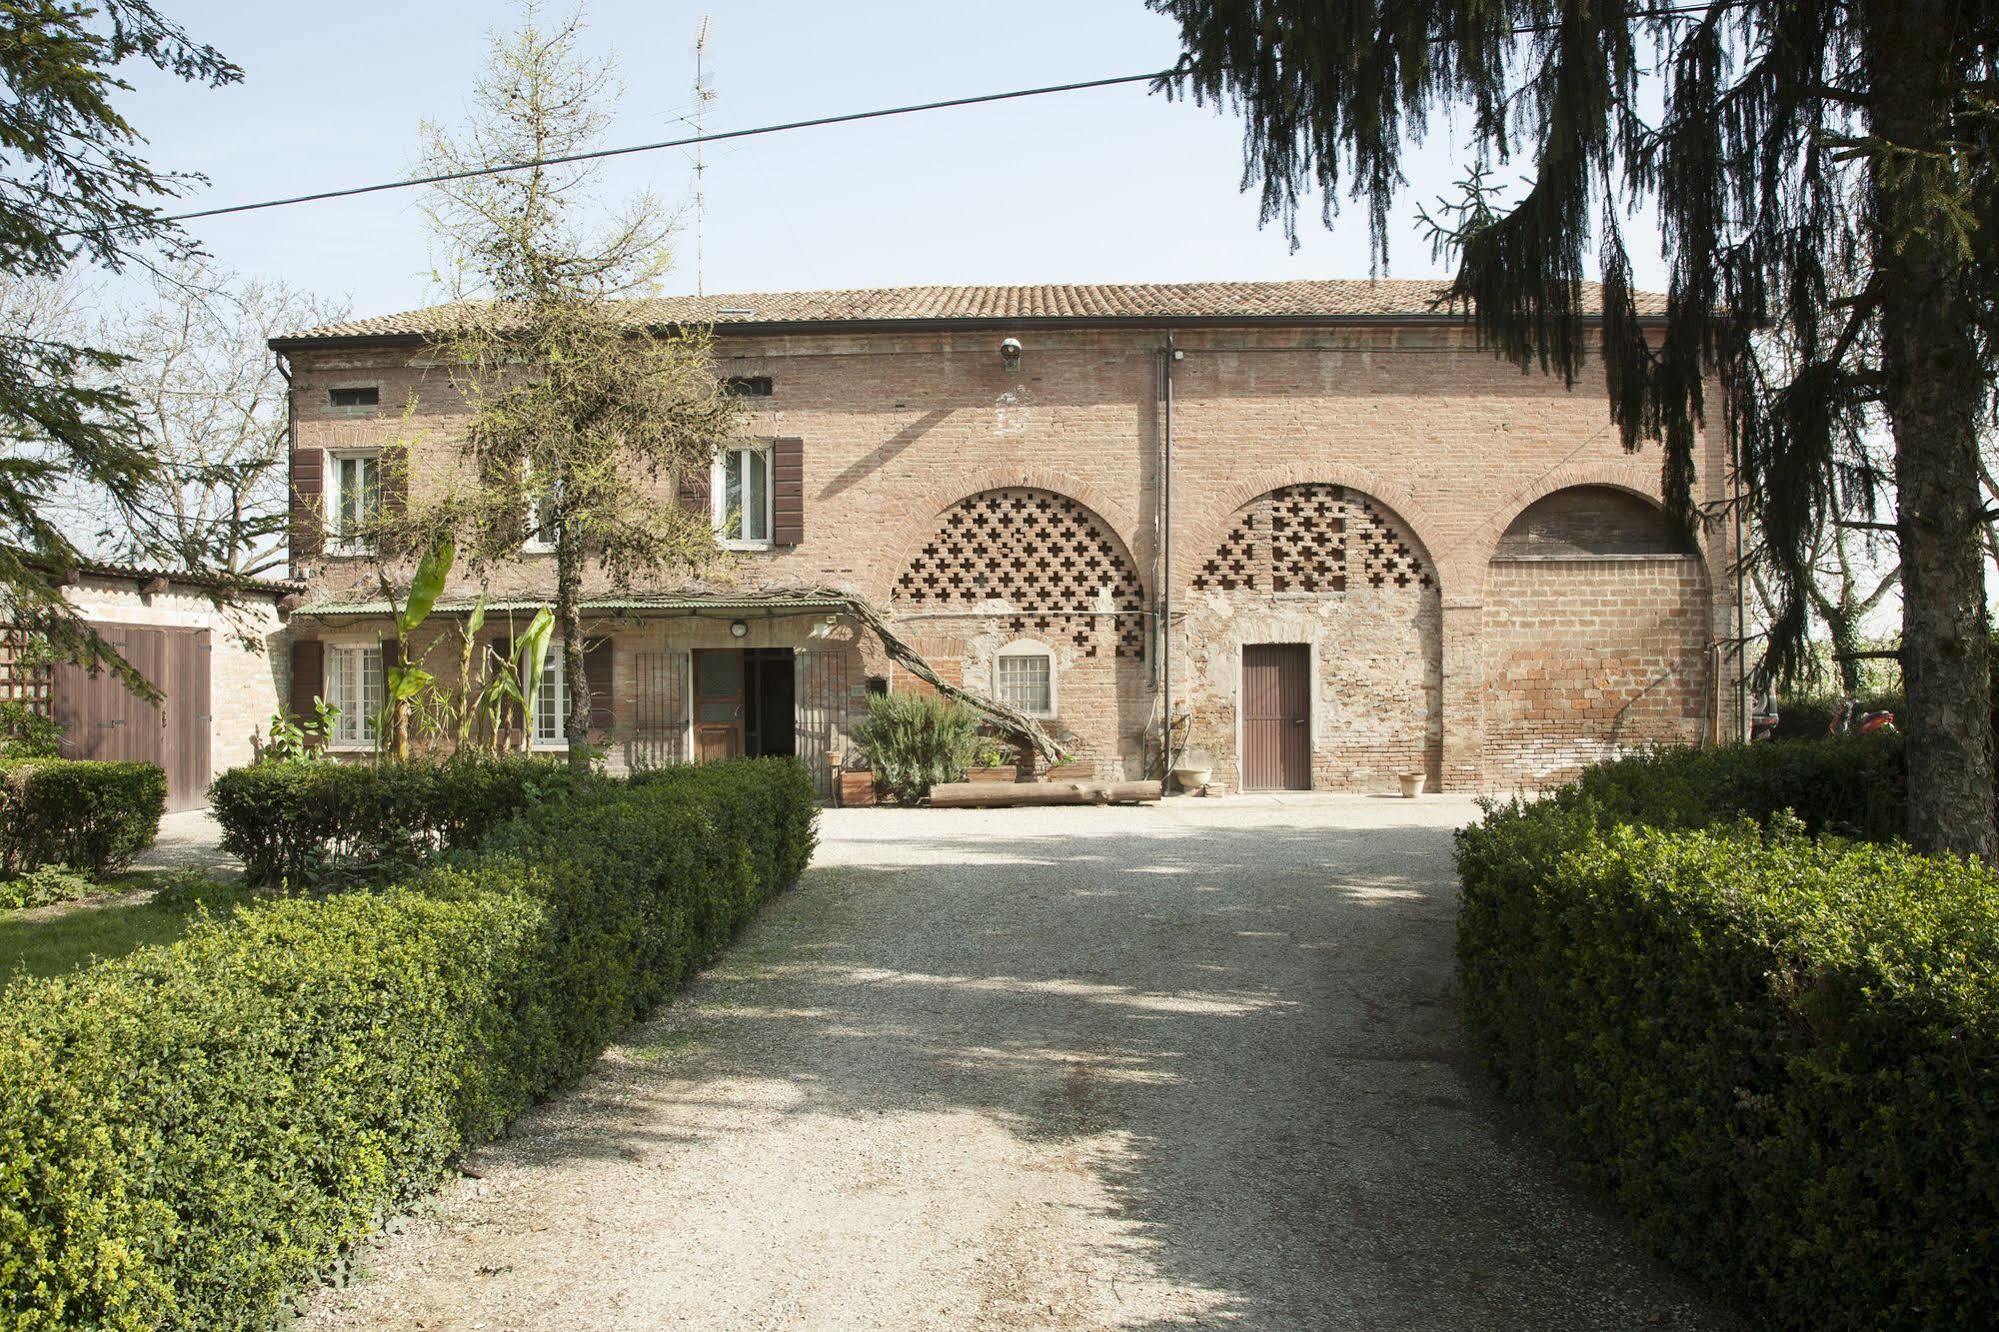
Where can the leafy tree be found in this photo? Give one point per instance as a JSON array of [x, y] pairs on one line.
[[1824, 172], [578, 425], [73, 188]]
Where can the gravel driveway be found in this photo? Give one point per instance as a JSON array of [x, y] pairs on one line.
[[1195, 1065]]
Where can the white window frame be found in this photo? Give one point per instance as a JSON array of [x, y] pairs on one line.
[[354, 727], [718, 499], [535, 544], [338, 540], [1028, 647], [553, 676]]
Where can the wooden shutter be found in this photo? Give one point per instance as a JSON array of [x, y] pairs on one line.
[[787, 471], [599, 670], [696, 492], [308, 676], [308, 525], [392, 655]]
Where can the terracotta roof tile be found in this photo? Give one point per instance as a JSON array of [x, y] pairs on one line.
[[1162, 301]]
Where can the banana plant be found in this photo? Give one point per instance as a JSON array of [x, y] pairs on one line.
[[519, 680], [468, 639], [406, 679]]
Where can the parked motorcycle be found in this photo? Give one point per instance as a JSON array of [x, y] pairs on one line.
[[1763, 718], [1850, 720]]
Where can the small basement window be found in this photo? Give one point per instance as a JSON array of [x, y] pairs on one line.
[[748, 386], [367, 395], [1024, 678]]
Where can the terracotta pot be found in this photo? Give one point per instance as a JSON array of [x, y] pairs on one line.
[[1006, 774], [857, 789], [1412, 785], [1070, 772], [1192, 779]]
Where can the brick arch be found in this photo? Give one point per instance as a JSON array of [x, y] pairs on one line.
[[1633, 478], [1047, 556], [911, 535], [1204, 537]]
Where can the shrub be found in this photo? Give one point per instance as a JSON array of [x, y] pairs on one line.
[[26, 733], [87, 815], [1780, 1054], [1807, 716], [44, 886], [189, 1132], [914, 741], [297, 823], [1854, 785]]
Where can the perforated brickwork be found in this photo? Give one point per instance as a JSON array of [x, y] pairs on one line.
[[1313, 538], [1046, 558]]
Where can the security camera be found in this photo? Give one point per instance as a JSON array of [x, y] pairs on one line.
[[1010, 353]]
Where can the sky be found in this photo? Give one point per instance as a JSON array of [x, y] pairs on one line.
[[1103, 186]]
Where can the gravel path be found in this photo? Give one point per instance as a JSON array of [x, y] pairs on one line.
[[1189, 1066]]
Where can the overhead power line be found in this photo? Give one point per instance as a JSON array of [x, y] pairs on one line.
[[599, 153], [913, 108]]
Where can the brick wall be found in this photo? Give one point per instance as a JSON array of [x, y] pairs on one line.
[[1589, 658], [899, 427]]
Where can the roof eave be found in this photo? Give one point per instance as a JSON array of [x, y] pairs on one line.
[[957, 323]]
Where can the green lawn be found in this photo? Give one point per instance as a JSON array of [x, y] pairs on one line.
[[52, 941]]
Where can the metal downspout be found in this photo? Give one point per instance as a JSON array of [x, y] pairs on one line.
[[1166, 571]]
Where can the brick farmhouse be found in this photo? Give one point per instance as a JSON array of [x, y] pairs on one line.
[[1345, 542]]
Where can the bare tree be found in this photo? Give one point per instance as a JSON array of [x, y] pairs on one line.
[[578, 419], [209, 403]]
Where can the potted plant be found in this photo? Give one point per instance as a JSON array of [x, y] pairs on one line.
[[992, 761], [913, 741], [1069, 768]]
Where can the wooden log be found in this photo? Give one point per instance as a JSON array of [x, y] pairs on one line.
[[973, 795]]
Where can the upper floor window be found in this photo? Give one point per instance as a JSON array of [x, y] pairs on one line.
[[354, 499], [354, 686], [360, 395], [542, 519], [1024, 678], [742, 496], [748, 386]]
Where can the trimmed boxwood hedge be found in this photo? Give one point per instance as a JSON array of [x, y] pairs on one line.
[[88, 815], [291, 822], [1780, 1053], [189, 1133]]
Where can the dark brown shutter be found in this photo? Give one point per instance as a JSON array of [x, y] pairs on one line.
[[308, 676], [392, 654], [308, 494], [696, 492], [598, 669], [787, 474]]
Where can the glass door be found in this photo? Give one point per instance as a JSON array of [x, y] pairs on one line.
[[718, 705]]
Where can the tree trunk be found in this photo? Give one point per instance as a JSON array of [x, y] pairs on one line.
[[569, 624], [1933, 394]]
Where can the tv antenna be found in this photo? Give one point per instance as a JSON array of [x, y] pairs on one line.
[[703, 94]]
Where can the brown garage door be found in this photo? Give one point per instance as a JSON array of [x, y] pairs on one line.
[[104, 720], [1276, 717]]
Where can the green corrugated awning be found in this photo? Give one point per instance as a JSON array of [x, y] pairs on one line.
[[683, 605]]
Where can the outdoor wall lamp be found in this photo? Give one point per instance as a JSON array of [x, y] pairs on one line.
[[1010, 355], [737, 629]]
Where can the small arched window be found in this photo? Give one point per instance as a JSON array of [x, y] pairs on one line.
[[1024, 677], [1584, 521]]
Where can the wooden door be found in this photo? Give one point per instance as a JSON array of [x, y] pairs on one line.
[[105, 720], [718, 705], [190, 714], [1276, 717]]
